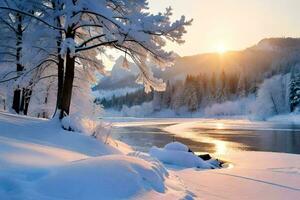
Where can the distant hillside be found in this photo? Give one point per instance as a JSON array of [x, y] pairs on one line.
[[264, 58]]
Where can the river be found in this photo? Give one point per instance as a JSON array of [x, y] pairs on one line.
[[215, 136]]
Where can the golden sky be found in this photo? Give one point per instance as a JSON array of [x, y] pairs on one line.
[[232, 24]]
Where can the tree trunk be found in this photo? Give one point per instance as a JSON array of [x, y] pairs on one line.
[[60, 82], [19, 36], [27, 96], [22, 100], [68, 85], [4, 104], [16, 100], [60, 65]]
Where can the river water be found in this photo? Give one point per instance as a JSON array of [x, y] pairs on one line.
[[215, 136]]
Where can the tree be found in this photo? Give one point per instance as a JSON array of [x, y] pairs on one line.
[[222, 90], [167, 95], [213, 87], [232, 84], [24, 39], [157, 101], [16, 24], [272, 97], [190, 98], [243, 84], [92, 26], [294, 91]]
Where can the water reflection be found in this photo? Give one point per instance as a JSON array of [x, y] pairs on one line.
[[220, 125], [220, 147], [217, 136]]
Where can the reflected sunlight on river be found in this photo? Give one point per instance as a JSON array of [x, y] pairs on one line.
[[213, 136]]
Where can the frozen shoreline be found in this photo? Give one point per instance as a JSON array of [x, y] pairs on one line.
[[41, 161]]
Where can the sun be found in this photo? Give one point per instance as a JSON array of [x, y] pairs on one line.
[[221, 48]]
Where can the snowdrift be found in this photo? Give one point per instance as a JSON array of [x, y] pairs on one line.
[[41, 161], [177, 154], [106, 177]]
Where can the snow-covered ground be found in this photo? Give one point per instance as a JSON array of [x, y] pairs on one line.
[[253, 175], [39, 160]]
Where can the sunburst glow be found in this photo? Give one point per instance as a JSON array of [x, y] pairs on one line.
[[221, 48]]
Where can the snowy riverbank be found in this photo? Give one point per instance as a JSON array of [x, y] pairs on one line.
[[39, 160]]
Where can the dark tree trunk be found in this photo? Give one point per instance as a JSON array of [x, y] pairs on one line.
[[27, 96], [19, 36], [60, 82], [60, 65], [22, 100], [16, 100], [68, 78], [68, 86]]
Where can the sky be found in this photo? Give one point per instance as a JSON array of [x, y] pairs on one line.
[[221, 25]]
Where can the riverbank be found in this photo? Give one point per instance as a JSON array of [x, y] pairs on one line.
[[39, 160]]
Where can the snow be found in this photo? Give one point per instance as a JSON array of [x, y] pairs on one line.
[[176, 153], [112, 177], [252, 175], [176, 146], [179, 158], [248, 175], [40, 160], [292, 118], [230, 108]]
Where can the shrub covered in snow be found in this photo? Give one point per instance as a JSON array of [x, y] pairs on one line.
[[138, 111], [94, 127], [229, 108]]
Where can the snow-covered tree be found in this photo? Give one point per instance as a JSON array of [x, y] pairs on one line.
[[213, 85], [157, 101], [87, 28], [242, 87], [190, 98], [222, 91], [24, 39], [294, 91], [167, 95], [272, 97]]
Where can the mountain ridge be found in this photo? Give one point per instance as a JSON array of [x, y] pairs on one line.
[[259, 58]]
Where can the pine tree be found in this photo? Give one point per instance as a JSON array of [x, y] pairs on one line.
[[190, 98], [232, 84], [243, 84], [213, 88], [294, 91], [167, 95], [157, 101], [222, 90]]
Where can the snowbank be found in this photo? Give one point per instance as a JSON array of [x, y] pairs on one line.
[[39, 160], [176, 146], [292, 118], [106, 177], [178, 154]]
